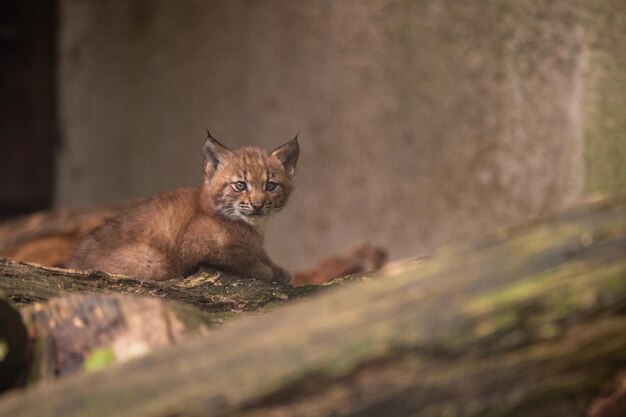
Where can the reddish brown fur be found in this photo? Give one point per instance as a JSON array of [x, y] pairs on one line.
[[361, 258], [173, 233]]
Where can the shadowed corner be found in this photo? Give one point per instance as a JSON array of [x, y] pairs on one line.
[[13, 347]]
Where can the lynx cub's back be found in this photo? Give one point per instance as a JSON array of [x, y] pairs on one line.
[[219, 224]]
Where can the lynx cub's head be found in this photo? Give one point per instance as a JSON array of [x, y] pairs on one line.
[[250, 183]]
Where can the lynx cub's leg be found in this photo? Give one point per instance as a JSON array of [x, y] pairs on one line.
[[269, 273], [281, 275], [139, 261]]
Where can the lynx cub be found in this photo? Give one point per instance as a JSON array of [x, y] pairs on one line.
[[218, 224]]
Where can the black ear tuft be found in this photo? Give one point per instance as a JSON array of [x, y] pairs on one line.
[[214, 154], [288, 155]]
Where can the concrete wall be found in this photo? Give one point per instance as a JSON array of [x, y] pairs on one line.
[[420, 122], [605, 97]]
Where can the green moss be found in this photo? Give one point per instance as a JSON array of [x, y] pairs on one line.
[[272, 305], [542, 301], [264, 299], [558, 288], [615, 279], [345, 362], [36, 368], [98, 359], [511, 295], [4, 349], [499, 322], [193, 320]]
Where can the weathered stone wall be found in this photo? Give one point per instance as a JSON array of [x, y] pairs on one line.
[[420, 122], [605, 96]]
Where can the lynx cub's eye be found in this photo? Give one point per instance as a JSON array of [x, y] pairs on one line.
[[240, 186], [271, 186]]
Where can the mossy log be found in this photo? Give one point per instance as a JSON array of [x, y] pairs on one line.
[[528, 323], [91, 331], [14, 355], [53, 303], [54, 350], [208, 290]]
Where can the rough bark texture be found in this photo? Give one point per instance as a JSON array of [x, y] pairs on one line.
[[69, 331], [13, 346], [210, 291], [527, 323], [92, 331]]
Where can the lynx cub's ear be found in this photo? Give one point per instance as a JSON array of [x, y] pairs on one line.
[[288, 155], [214, 154]]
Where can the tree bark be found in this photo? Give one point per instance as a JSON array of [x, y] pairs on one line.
[[65, 334], [208, 290], [14, 357], [527, 323], [91, 331]]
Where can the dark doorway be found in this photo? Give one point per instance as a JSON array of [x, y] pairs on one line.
[[28, 128]]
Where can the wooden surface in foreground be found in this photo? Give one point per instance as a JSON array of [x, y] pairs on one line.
[[531, 323], [208, 290]]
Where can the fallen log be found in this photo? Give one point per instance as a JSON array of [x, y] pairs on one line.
[[91, 331], [218, 296], [14, 355], [208, 290], [527, 323]]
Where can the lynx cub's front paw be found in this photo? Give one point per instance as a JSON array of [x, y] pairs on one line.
[[282, 276], [260, 271]]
